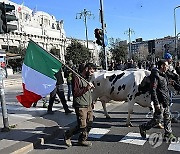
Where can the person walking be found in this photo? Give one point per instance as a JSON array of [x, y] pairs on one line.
[[160, 97], [59, 90], [44, 99], [168, 57], [68, 75], [171, 73], [177, 68], [82, 103]]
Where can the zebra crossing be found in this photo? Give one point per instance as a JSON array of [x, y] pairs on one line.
[[135, 139], [12, 82]]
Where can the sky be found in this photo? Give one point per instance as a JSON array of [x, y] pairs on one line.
[[148, 19]]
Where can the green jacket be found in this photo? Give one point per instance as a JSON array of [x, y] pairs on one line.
[[82, 96]]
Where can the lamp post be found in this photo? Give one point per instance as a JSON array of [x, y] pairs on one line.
[[175, 30], [129, 32], [177, 36], [84, 14]]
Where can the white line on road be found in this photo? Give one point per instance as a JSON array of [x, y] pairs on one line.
[[23, 116], [174, 146], [98, 132], [133, 138]]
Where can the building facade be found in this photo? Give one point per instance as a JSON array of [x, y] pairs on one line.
[[42, 28], [162, 45]]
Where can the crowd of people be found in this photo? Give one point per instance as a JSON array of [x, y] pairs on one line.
[[120, 65]]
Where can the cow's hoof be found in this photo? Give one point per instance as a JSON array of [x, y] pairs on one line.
[[108, 117], [129, 125]]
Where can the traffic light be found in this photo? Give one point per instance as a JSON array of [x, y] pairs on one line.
[[99, 36], [151, 46], [6, 16]]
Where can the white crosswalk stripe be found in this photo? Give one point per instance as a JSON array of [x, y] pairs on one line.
[[174, 146], [136, 139], [130, 138], [133, 138], [12, 82], [98, 132]]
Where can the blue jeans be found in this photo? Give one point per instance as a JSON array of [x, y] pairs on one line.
[[69, 91]]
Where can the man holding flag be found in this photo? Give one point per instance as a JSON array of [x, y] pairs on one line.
[[83, 105]]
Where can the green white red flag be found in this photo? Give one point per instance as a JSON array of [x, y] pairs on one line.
[[38, 70]]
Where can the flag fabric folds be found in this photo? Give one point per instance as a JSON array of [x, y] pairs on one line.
[[38, 70]]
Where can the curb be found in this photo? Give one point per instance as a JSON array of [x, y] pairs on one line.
[[36, 140]]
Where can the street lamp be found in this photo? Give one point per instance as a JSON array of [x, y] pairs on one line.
[[175, 30], [83, 14], [178, 34], [129, 32]]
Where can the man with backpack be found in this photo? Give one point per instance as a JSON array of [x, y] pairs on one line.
[[160, 97]]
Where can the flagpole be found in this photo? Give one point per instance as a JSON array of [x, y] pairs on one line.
[[61, 62]]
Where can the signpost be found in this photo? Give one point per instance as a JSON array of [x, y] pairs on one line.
[[3, 103], [2, 94]]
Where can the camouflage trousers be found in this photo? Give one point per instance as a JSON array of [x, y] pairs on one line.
[[157, 119]]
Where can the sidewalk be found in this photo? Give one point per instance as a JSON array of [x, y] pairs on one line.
[[29, 134]]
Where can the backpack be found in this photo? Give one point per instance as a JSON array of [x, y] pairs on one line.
[[145, 84]]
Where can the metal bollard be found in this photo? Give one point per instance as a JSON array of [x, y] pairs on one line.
[[3, 103]]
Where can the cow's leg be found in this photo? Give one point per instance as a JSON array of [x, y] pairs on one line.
[[130, 110], [105, 110]]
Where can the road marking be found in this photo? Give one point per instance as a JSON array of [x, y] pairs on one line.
[[133, 138], [98, 132], [23, 116], [12, 82], [174, 146], [175, 98]]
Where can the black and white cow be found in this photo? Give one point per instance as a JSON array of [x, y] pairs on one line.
[[120, 86]]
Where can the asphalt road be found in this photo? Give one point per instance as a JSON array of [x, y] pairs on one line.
[[111, 136]]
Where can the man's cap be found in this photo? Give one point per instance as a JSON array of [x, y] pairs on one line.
[[167, 56]]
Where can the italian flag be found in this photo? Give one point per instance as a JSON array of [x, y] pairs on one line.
[[38, 70]]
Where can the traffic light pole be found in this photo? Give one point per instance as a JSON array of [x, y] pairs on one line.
[[6, 75], [3, 103], [103, 29]]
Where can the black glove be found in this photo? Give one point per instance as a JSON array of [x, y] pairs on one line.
[[157, 109], [164, 105]]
